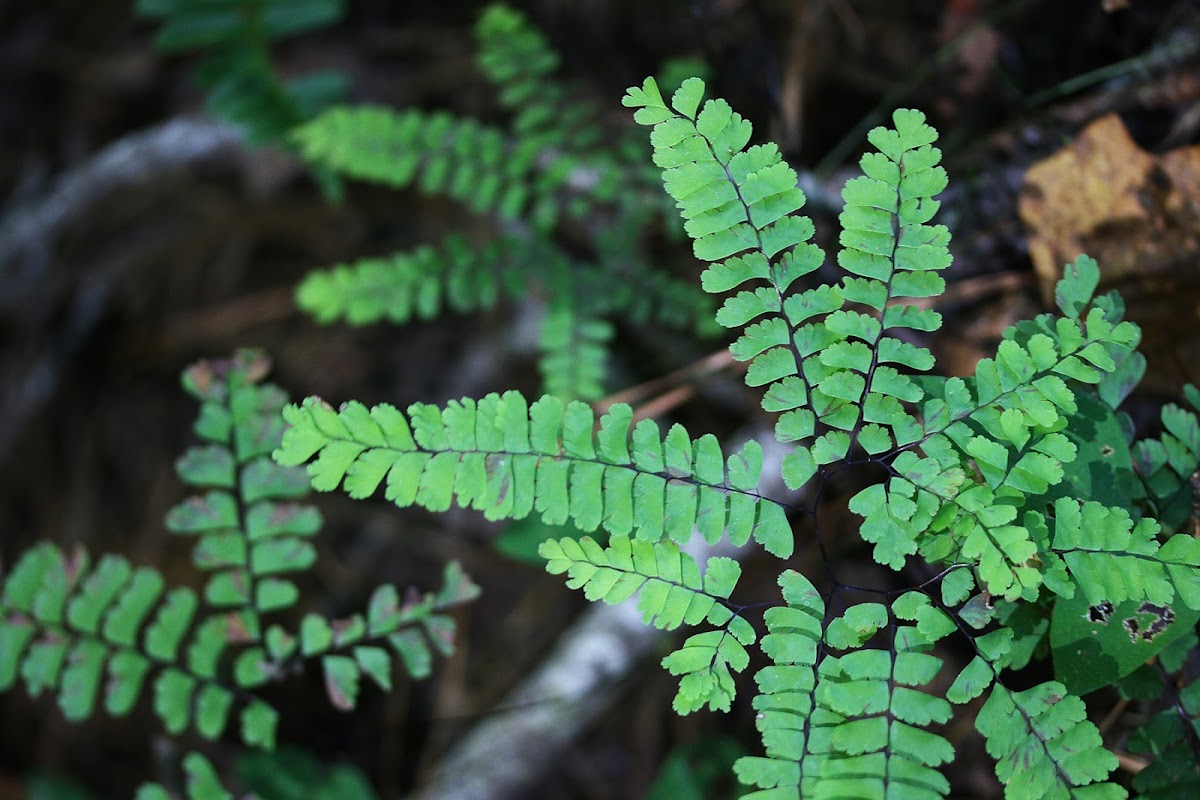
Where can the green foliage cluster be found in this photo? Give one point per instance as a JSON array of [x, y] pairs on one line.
[[106, 632], [1040, 528], [241, 82], [574, 202], [1039, 531]]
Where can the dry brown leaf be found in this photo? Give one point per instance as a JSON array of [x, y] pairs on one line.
[[1138, 215]]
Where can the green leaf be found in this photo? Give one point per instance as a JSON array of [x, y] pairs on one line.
[[274, 594], [973, 681], [214, 511], [1044, 744], [667, 581], [127, 672], [375, 663], [1096, 644], [573, 482], [212, 710], [81, 679], [686, 99], [202, 780], [212, 465], [957, 586], [413, 652], [315, 635], [1074, 290], [341, 681], [173, 699], [170, 624], [258, 723]]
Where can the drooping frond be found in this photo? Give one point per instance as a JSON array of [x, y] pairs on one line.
[[671, 592], [501, 456], [352, 648], [670, 587]]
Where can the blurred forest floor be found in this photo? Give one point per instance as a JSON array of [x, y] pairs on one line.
[[1066, 126]]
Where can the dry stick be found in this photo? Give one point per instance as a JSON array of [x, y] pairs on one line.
[[522, 738]]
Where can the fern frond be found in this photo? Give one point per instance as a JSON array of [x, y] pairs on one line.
[[352, 648], [671, 592], [516, 57], [868, 736], [64, 625], [735, 200], [440, 153], [1169, 463], [249, 528], [1000, 434], [786, 701], [574, 334], [507, 459], [421, 284], [640, 293], [1044, 745], [1110, 559], [824, 366], [109, 632], [242, 84], [670, 587], [574, 347]]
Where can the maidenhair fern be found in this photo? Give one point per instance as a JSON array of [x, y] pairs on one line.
[[108, 633], [552, 166], [243, 85], [1016, 491]]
